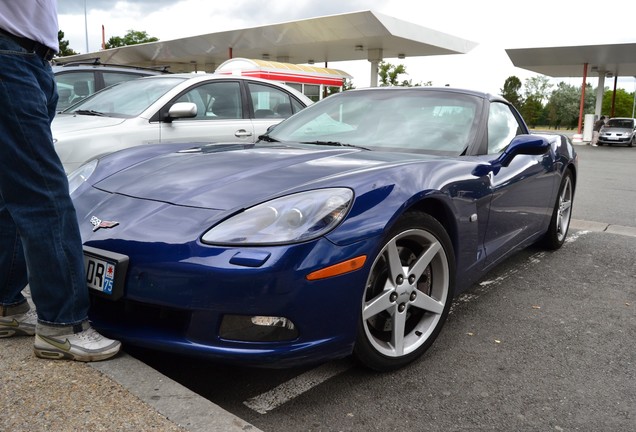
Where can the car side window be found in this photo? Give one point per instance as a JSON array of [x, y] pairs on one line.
[[503, 126], [270, 102], [215, 101], [73, 87]]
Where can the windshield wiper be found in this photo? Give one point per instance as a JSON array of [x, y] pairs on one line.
[[90, 112], [267, 138], [335, 144]]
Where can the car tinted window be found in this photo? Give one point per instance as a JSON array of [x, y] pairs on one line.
[[215, 100], [127, 99], [72, 87], [502, 127], [270, 102], [394, 120]]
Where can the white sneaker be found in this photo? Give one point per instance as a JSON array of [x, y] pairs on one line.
[[86, 346], [19, 324]]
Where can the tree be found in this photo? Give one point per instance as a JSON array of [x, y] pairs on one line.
[[64, 48], [538, 88], [511, 91], [623, 103], [563, 106], [133, 37], [346, 85], [532, 111], [389, 74]]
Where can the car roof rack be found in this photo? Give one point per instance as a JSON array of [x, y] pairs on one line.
[[96, 62]]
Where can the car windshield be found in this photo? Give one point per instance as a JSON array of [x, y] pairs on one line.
[[620, 123], [126, 99], [403, 120]]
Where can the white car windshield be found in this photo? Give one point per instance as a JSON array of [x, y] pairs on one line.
[[126, 99]]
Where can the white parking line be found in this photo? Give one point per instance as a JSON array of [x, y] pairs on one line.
[[486, 285], [296, 386]]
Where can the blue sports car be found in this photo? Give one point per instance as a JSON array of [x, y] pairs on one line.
[[346, 229]]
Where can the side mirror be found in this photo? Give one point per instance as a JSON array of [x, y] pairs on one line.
[[521, 144], [181, 110]]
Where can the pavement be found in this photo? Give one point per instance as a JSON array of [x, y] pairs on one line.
[[121, 394]]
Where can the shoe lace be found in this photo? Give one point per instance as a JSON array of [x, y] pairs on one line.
[[31, 316], [90, 335]]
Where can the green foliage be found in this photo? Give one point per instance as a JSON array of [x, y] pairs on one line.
[[563, 106], [348, 85], [389, 76], [532, 111], [389, 73], [64, 48], [511, 91], [623, 103], [563, 103], [538, 88], [133, 37]]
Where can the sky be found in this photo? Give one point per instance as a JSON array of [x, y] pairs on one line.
[[495, 25]]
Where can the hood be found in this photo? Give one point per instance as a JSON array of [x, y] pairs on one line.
[[227, 177], [617, 129], [65, 123]]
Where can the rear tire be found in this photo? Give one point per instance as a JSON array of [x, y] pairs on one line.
[[408, 294]]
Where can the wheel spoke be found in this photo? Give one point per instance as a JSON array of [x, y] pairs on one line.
[[565, 205], [397, 338], [425, 259], [395, 264], [427, 303], [378, 305]]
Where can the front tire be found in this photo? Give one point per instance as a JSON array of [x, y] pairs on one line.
[[561, 215], [408, 294]]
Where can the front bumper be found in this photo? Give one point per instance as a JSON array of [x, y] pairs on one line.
[[180, 305]]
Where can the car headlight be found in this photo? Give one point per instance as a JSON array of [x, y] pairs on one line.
[[80, 175], [289, 219]]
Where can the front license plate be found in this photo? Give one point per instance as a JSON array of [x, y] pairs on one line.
[[105, 272], [613, 138]]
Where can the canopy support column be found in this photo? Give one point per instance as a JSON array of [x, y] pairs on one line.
[[375, 57]]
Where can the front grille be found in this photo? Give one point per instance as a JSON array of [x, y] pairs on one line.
[[138, 315]]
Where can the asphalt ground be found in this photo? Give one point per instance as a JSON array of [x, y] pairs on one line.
[[546, 344]]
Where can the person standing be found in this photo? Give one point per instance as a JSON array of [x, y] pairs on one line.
[[40, 243], [596, 131]]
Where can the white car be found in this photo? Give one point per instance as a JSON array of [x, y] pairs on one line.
[[171, 108]]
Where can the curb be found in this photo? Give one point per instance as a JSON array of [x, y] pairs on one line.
[[174, 401]]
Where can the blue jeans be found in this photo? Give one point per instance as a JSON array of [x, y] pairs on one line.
[[40, 243]]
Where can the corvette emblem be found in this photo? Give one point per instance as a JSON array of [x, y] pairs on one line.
[[98, 223]]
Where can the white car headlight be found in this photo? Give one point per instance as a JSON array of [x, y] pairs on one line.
[[80, 175], [289, 219]]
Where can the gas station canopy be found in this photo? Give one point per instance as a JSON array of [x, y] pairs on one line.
[[569, 61], [364, 35]]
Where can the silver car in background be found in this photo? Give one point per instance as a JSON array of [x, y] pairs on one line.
[[618, 130], [169, 109]]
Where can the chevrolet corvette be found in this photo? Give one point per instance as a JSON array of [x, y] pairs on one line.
[[347, 229]]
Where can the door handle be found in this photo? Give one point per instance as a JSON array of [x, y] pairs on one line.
[[242, 133]]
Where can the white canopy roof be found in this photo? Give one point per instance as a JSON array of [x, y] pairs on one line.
[[364, 35], [569, 61]]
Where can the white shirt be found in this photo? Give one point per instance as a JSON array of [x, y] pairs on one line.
[[31, 19]]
